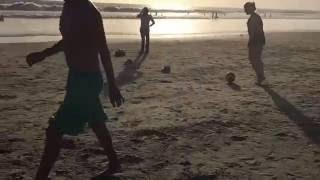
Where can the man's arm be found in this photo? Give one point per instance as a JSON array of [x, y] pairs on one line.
[[252, 29], [152, 21], [115, 96], [261, 31], [104, 51], [58, 47], [36, 57], [256, 32]]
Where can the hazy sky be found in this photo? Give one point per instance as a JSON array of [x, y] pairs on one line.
[[275, 4]]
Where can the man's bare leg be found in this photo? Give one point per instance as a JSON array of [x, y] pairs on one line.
[[143, 41], [105, 140], [255, 54], [147, 42], [50, 154], [260, 65]]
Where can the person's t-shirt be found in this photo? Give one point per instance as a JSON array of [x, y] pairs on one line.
[[255, 29]]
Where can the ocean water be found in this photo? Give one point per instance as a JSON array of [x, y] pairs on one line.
[[47, 29]]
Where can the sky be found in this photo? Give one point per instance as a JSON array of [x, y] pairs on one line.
[[181, 4]]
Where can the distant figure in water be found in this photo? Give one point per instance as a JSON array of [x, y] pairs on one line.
[[1, 18], [83, 42], [256, 41], [145, 19]]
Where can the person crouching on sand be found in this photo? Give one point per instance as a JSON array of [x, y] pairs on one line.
[[83, 41], [256, 41], [145, 19]]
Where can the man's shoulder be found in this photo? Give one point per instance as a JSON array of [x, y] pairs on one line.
[[255, 18]]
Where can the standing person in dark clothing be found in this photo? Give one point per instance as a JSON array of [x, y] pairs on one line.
[[145, 19], [256, 41], [83, 41]]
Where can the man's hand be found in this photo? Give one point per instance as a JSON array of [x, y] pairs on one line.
[[115, 96], [35, 57]]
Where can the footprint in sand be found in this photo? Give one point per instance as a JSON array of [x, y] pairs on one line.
[[5, 151], [95, 151], [208, 177], [151, 133], [17, 174], [7, 97], [68, 144], [238, 138], [161, 165], [131, 159], [136, 102], [15, 139]]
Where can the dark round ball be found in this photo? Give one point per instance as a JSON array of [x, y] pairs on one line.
[[230, 77]]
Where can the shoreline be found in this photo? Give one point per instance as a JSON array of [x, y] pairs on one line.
[[136, 37], [176, 17]]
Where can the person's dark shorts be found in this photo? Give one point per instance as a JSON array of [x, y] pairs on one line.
[[81, 106], [144, 31]]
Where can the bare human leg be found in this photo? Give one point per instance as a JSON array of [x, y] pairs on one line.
[[105, 140], [143, 39], [259, 65], [147, 42], [51, 152], [256, 62]]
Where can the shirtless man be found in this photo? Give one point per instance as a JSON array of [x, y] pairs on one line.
[[145, 19], [256, 41], [83, 41]]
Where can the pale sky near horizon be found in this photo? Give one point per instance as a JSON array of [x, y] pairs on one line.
[[274, 4]]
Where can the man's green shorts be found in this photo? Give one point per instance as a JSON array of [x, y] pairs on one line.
[[81, 106]]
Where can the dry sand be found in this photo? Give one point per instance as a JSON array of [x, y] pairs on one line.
[[183, 125]]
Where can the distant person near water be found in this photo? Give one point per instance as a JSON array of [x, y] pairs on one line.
[[83, 41], [256, 41], [145, 19]]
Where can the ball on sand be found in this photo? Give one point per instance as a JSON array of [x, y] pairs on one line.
[[120, 53], [128, 62], [166, 69], [230, 77]]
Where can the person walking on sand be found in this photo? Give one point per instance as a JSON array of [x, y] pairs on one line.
[[145, 19], [256, 41], [83, 41]]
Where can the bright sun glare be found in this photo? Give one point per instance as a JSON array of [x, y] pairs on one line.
[[172, 5]]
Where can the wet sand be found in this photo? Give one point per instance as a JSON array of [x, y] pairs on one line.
[[188, 124]]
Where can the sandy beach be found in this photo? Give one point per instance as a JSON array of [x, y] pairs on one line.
[[188, 124]]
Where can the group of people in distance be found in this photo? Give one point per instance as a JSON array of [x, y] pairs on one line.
[[84, 45]]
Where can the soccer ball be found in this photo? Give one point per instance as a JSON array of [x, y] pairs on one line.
[[166, 69], [120, 53], [230, 77]]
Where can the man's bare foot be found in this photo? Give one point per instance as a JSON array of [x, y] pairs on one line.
[[113, 169], [262, 83]]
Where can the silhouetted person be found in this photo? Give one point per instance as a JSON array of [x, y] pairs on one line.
[[145, 19], [83, 41], [256, 41]]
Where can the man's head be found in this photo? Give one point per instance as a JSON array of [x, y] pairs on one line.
[[145, 11], [249, 7]]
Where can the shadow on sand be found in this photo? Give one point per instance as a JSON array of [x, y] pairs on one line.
[[129, 73], [140, 59], [234, 86], [310, 128]]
